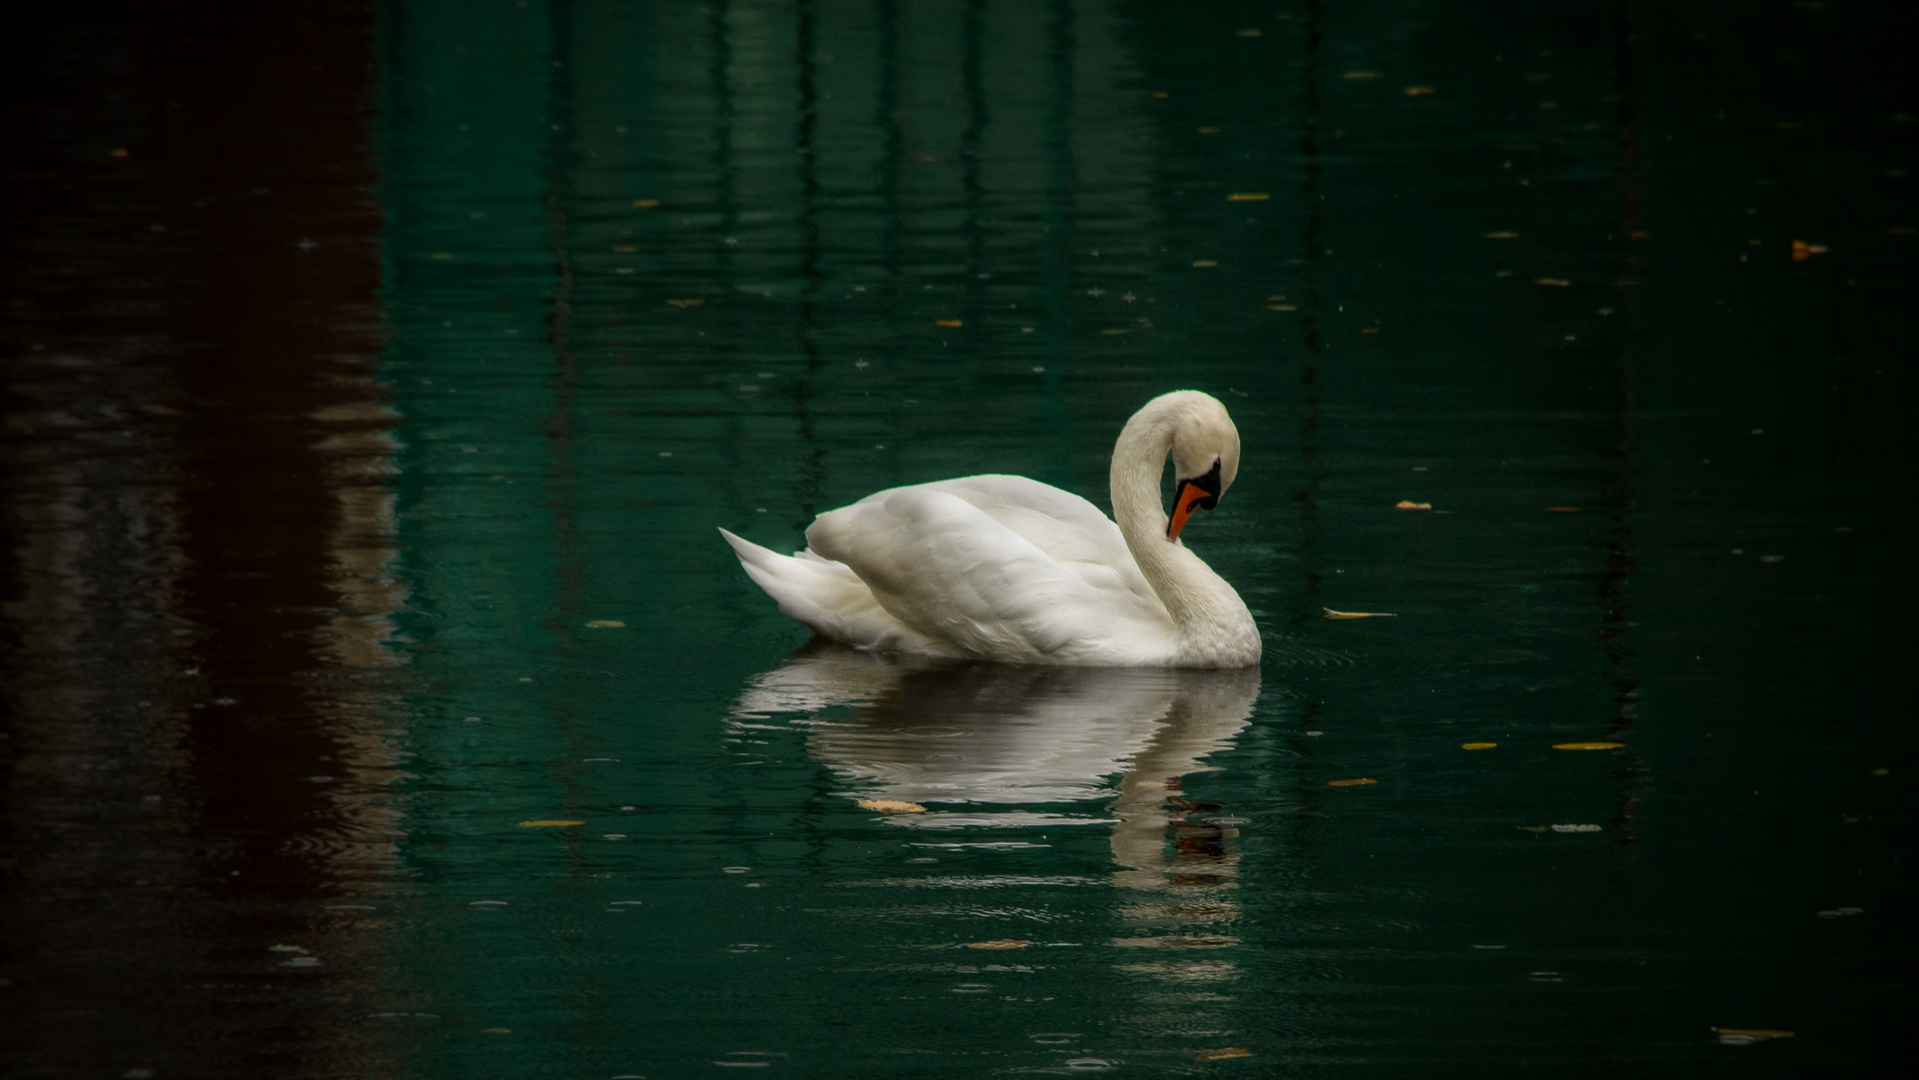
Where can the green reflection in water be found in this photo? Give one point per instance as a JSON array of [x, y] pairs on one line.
[[659, 268]]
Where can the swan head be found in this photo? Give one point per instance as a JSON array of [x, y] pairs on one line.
[[1205, 453]]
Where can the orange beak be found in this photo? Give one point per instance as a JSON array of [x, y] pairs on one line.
[[1190, 496]]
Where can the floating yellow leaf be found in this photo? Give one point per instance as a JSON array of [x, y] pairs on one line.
[[646, 204], [1209, 131], [1281, 296], [1477, 745], [1418, 91], [1748, 1036], [1639, 234], [1281, 307], [684, 304], [1588, 745], [604, 624], [1562, 509], [1535, 828], [549, 823], [1351, 783], [1246, 33], [1369, 329], [1362, 75], [1161, 94], [948, 322], [1801, 251], [1223, 1054], [1002, 943], [1248, 196], [893, 806], [1559, 281], [1408, 504], [1331, 614], [1201, 264], [1503, 234], [1880, 772], [1112, 331], [496, 1031]]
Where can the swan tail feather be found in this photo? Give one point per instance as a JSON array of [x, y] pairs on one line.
[[826, 596]]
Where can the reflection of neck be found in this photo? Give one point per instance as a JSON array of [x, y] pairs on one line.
[[1210, 708], [1210, 620]]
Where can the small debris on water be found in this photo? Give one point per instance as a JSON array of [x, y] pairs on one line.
[[1748, 1036], [892, 806]]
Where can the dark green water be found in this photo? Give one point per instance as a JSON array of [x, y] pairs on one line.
[[610, 276]]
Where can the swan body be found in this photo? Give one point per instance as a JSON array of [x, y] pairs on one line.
[[1008, 569]]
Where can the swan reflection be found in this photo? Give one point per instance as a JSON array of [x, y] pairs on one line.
[[979, 744]]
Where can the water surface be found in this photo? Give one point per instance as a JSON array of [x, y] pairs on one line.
[[383, 702]]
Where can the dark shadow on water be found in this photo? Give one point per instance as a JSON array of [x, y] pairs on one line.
[[198, 532]]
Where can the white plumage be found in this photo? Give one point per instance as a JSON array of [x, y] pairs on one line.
[[1009, 569]]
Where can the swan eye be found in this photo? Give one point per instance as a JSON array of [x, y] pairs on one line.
[[1207, 483]]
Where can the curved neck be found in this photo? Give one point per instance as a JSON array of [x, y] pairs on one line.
[[1202, 605]]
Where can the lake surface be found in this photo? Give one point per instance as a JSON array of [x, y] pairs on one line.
[[381, 700]]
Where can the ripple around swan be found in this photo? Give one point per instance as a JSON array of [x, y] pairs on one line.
[[1289, 652], [1010, 819], [1002, 881]]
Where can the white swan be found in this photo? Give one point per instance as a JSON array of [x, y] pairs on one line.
[[1009, 569]]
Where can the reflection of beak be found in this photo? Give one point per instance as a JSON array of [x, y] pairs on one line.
[[1200, 493]]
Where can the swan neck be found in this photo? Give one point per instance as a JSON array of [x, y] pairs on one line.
[[1194, 596]]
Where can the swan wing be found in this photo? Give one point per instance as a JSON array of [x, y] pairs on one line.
[[1067, 528], [955, 573]]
